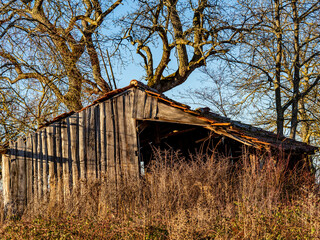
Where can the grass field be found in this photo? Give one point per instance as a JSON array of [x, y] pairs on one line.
[[207, 198]]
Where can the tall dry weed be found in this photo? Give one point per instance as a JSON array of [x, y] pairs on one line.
[[201, 198]]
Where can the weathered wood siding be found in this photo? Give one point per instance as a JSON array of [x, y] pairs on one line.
[[98, 142]]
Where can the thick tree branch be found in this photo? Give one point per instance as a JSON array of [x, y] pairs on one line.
[[95, 64], [178, 34], [303, 94]]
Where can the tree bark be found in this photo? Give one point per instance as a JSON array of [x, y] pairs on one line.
[[277, 84], [296, 69]]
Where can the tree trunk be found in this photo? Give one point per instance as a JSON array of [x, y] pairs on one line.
[[296, 73], [279, 109]]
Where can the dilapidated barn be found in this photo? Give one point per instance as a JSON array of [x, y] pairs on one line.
[[114, 137]]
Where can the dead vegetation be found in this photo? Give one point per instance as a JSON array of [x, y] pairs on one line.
[[207, 198]]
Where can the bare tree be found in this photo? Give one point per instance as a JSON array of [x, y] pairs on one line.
[[280, 60], [53, 42], [190, 32], [22, 112]]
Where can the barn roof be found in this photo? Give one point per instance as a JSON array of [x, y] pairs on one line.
[[241, 132]]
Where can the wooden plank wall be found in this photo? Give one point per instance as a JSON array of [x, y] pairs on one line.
[[98, 142]]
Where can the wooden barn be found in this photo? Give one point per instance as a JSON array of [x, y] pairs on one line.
[[114, 137]]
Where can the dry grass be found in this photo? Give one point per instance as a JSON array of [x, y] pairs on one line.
[[202, 199]]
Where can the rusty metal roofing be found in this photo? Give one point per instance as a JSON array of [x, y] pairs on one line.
[[239, 131]]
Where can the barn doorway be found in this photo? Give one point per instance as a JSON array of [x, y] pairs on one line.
[[186, 139]]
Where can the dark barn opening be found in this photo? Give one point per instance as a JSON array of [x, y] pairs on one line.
[[186, 139]]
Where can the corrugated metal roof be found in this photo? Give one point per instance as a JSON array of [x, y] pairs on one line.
[[239, 131]]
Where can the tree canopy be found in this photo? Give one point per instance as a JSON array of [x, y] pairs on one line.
[[54, 55]]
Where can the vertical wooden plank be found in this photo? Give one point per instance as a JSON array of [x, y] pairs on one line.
[[140, 101], [59, 162], [144, 106], [132, 138], [29, 172], [122, 139], [97, 140], [65, 134], [35, 168], [111, 153], [6, 176], [91, 144], [111, 138], [45, 168], [82, 147], [74, 137], [154, 107], [103, 138], [69, 166], [22, 180], [117, 146], [103, 177], [40, 166], [135, 102], [148, 107], [51, 161], [14, 175]]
